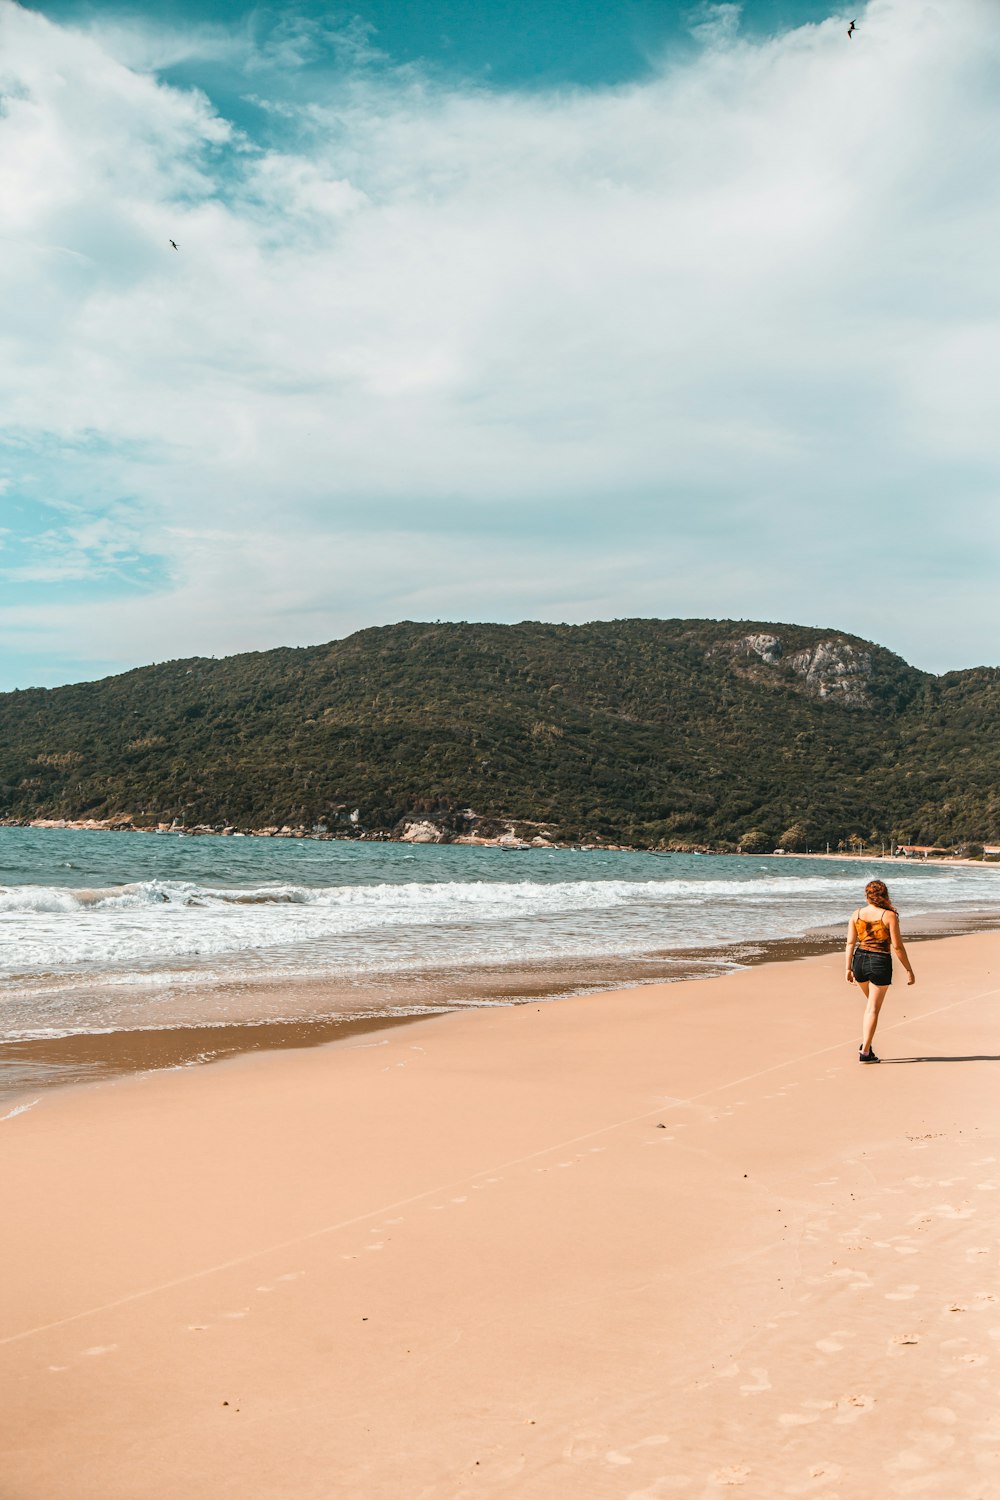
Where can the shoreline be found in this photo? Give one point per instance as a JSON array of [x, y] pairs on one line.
[[510, 841], [666, 1240], [79, 1059]]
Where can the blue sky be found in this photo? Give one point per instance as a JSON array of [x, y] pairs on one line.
[[520, 44], [535, 311]]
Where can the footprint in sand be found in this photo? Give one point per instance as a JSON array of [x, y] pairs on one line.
[[828, 1346], [904, 1293], [583, 1449], [290, 1276], [731, 1474], [818, 1476], [761, 1382], [97, 1350], [853, 1406], [619, 1458]]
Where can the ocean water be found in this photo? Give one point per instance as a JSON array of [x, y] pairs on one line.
[[102, 932]]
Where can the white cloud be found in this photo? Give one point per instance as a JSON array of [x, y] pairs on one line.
[[700, 345], [714, 24]]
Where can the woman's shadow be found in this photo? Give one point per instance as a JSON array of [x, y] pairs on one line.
[[972, 1057]]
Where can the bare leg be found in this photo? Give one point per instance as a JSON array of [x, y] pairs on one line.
[[874, 995]]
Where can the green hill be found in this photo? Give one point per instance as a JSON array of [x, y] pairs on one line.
[[640, 731]]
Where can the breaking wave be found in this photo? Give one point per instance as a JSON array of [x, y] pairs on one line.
[[492, 898]]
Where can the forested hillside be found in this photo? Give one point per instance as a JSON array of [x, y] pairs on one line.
[[648, 732]]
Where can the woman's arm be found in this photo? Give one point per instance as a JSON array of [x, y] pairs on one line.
[[897, 946], [852, 943]]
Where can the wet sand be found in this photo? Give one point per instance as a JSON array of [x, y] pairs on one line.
[[671, 1240]]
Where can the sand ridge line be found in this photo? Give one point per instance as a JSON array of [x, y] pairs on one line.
[[312, 1234]]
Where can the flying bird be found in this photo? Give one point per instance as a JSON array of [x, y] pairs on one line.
[[174, 243], [850, 32]]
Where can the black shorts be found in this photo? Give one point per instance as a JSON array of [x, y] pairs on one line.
[[871, 968]]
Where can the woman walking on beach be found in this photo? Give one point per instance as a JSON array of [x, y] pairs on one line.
[[871, 933]]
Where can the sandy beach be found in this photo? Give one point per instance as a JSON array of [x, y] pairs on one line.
[[664, 1241]]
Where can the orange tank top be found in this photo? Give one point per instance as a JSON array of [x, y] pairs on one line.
[[873, 937]]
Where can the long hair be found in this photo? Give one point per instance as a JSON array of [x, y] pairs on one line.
[[878, 895]]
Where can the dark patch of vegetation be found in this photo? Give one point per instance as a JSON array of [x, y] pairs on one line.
[[646, 732]]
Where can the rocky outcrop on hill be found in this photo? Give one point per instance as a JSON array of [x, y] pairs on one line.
[[832, 668], [767, 647], [835, 669]]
